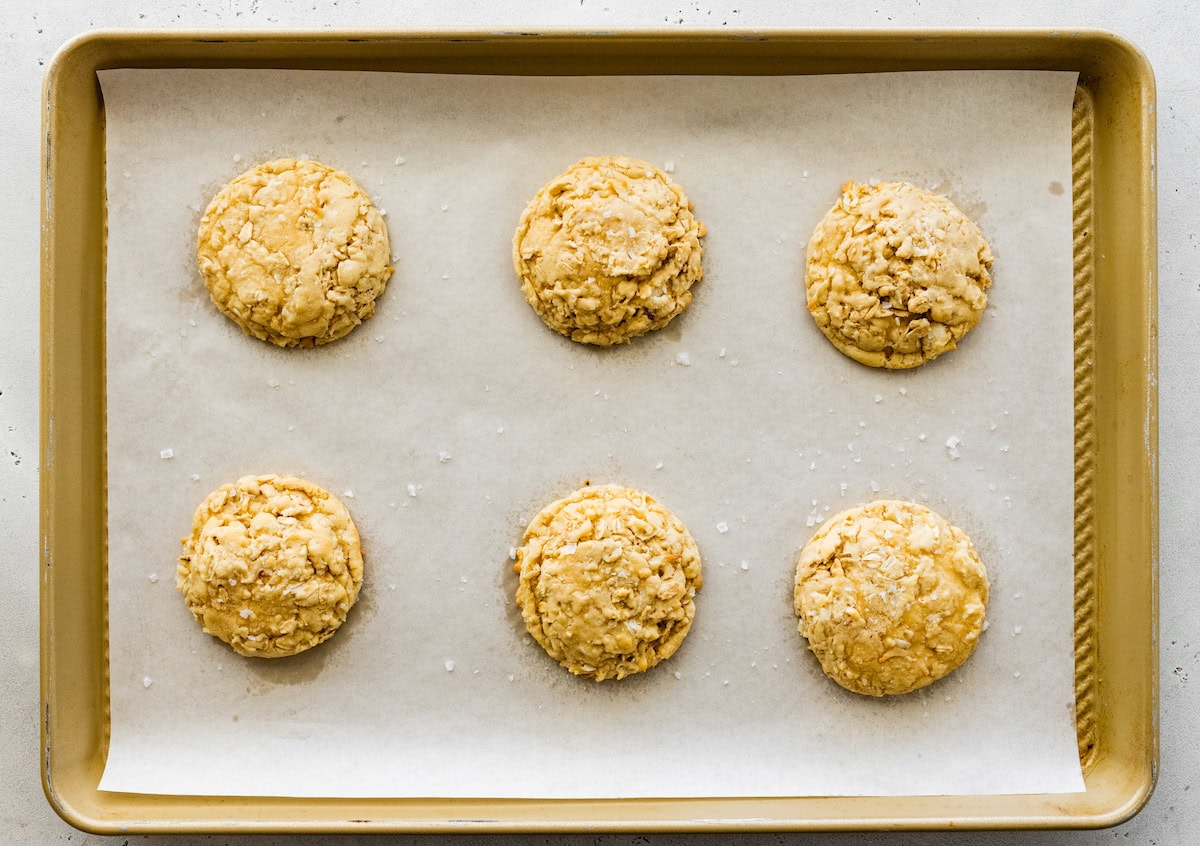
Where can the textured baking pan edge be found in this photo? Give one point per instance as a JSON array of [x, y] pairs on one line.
[[1115, 401]]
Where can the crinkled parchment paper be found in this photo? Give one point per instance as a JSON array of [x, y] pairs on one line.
[[449, 419]]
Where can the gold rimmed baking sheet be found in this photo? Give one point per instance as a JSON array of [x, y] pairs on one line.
[[776, 56]]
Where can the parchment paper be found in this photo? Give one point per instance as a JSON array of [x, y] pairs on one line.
[[740, 417]]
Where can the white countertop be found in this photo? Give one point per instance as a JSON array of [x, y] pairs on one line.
[[1166, 32]]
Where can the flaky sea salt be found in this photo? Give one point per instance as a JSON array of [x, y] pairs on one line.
[[683, 358], [449, 665], [952, 444], [166, 453], [147, 681], [245, 613], [412, 489], [399, 160], [443, 456], [669, 166], [722, 527]]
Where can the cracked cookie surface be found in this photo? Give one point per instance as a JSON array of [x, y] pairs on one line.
[[608, 579], [294, 252], [890, 596], [608, 251], [272, 566], [896, 275]]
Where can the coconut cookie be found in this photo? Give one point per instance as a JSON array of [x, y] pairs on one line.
[[890, 596], [272, 566], [896, 275], [294, 252], [608, 251], [608, 579]]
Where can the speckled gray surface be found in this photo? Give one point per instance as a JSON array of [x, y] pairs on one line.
[[30, 33]]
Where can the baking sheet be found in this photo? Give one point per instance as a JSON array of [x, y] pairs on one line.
[[739, 414]]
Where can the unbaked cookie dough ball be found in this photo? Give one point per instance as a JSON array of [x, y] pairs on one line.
[[890, 596], [272, 566], [294, 252], [896, 275], [608, 580], [608, 251]]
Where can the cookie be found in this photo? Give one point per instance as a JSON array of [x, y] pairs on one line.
[[608, 251], [608, 579], [896, 275], [272, 566], [890, 596], [294, 252]]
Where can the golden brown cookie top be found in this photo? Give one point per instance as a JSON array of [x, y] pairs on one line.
[[608, 579], [890, 596], [608, 250], [896, 275], [294, 252], [272, 566]]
